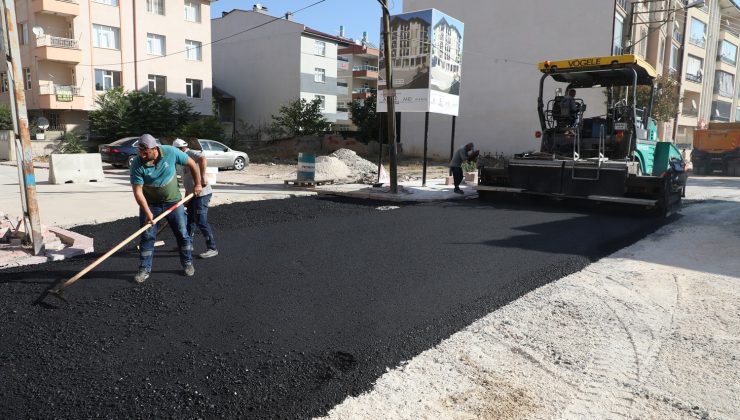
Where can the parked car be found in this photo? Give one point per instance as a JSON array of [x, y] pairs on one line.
[[121, 152], [220, 155]]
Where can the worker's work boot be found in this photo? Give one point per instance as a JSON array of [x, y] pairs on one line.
[[141, 276], [208, 254], [189, 270]]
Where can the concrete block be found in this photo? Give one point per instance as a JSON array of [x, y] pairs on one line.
[[82, 168], [74, 240]]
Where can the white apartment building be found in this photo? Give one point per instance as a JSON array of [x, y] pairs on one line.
[[505, 41], [499, 82], [73, 50], [276, 62]]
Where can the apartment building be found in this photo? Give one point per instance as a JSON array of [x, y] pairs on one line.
[[73, 50], [698, 46], [358, 73], [276, 62]]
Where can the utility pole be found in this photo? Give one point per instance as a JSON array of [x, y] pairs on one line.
[[390, 97], [11, 48]]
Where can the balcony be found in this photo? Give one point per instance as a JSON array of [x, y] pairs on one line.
[[53, 96], [362, 93], [696, 78], [365, 72], [56, 7], [54, 48]]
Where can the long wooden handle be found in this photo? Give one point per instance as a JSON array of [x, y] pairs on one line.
[[120, 245]]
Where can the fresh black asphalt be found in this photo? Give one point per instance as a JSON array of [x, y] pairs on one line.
[[309, 301]]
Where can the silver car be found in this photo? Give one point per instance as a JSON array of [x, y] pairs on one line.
[[221, 156]]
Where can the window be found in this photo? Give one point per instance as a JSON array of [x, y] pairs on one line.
[[319, 48], [694, 69], [155, 6], [720, 111], [724, 84], [157, 84], [4, 87], [155, 44], [661, 51], [322, 98], [27, 78], [192, 11], [643, 42], [193, 88], [108, 2], [674, 57], [319, 75], [193, 50], [23, 33], [728, 52], [106, 37], [698, 35], [107, 79], [618, 34]]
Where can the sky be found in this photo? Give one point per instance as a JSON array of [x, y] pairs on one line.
[[362, 15]]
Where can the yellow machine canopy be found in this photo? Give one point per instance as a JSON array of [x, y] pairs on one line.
[[615, 70]]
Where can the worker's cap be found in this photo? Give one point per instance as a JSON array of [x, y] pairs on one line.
[[180, 143], [146, 141]]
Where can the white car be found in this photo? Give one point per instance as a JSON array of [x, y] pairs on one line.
[[221, 156]]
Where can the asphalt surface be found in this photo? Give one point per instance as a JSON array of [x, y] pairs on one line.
[[309, 301]]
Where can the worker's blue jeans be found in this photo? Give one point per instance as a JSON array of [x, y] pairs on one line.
[[177, 221], [198, 216]]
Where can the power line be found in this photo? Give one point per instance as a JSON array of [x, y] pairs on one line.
[[206, 44]]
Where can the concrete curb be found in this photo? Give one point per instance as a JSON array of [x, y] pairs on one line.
[[76, 245]]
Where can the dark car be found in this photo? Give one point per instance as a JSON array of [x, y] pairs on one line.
[[121, 152]]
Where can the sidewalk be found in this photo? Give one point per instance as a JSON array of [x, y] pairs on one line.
[[69, 205]]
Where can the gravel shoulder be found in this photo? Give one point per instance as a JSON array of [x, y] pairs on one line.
[[648, 332]]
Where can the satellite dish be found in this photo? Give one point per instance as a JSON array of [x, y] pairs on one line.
[[42, 123], [38, 31]]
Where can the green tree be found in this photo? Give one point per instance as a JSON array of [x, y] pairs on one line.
[[70, 142], [665, 104], [203, 128], [119, 114], [365, 117], [300, 118], [6, 118]]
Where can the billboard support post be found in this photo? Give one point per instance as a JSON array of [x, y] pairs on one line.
[[452, 139], [390, 100], [426, 139]]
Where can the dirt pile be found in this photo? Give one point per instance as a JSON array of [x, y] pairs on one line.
[[362, 170]]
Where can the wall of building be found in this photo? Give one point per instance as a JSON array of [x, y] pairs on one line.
[[260, 68], [503, 43]]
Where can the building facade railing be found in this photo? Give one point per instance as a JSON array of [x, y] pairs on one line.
[[365, 68], [696, 78], [53, 89], [363, 90], [57, 42]]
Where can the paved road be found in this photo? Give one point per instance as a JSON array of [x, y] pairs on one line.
[[309, 301]]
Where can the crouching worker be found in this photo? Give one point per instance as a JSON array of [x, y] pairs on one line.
[[462, 154], [154, 182]]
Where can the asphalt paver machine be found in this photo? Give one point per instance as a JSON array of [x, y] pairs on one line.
[[613, 157]]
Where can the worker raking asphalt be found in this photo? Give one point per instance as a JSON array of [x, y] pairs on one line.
[[308, 301]]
